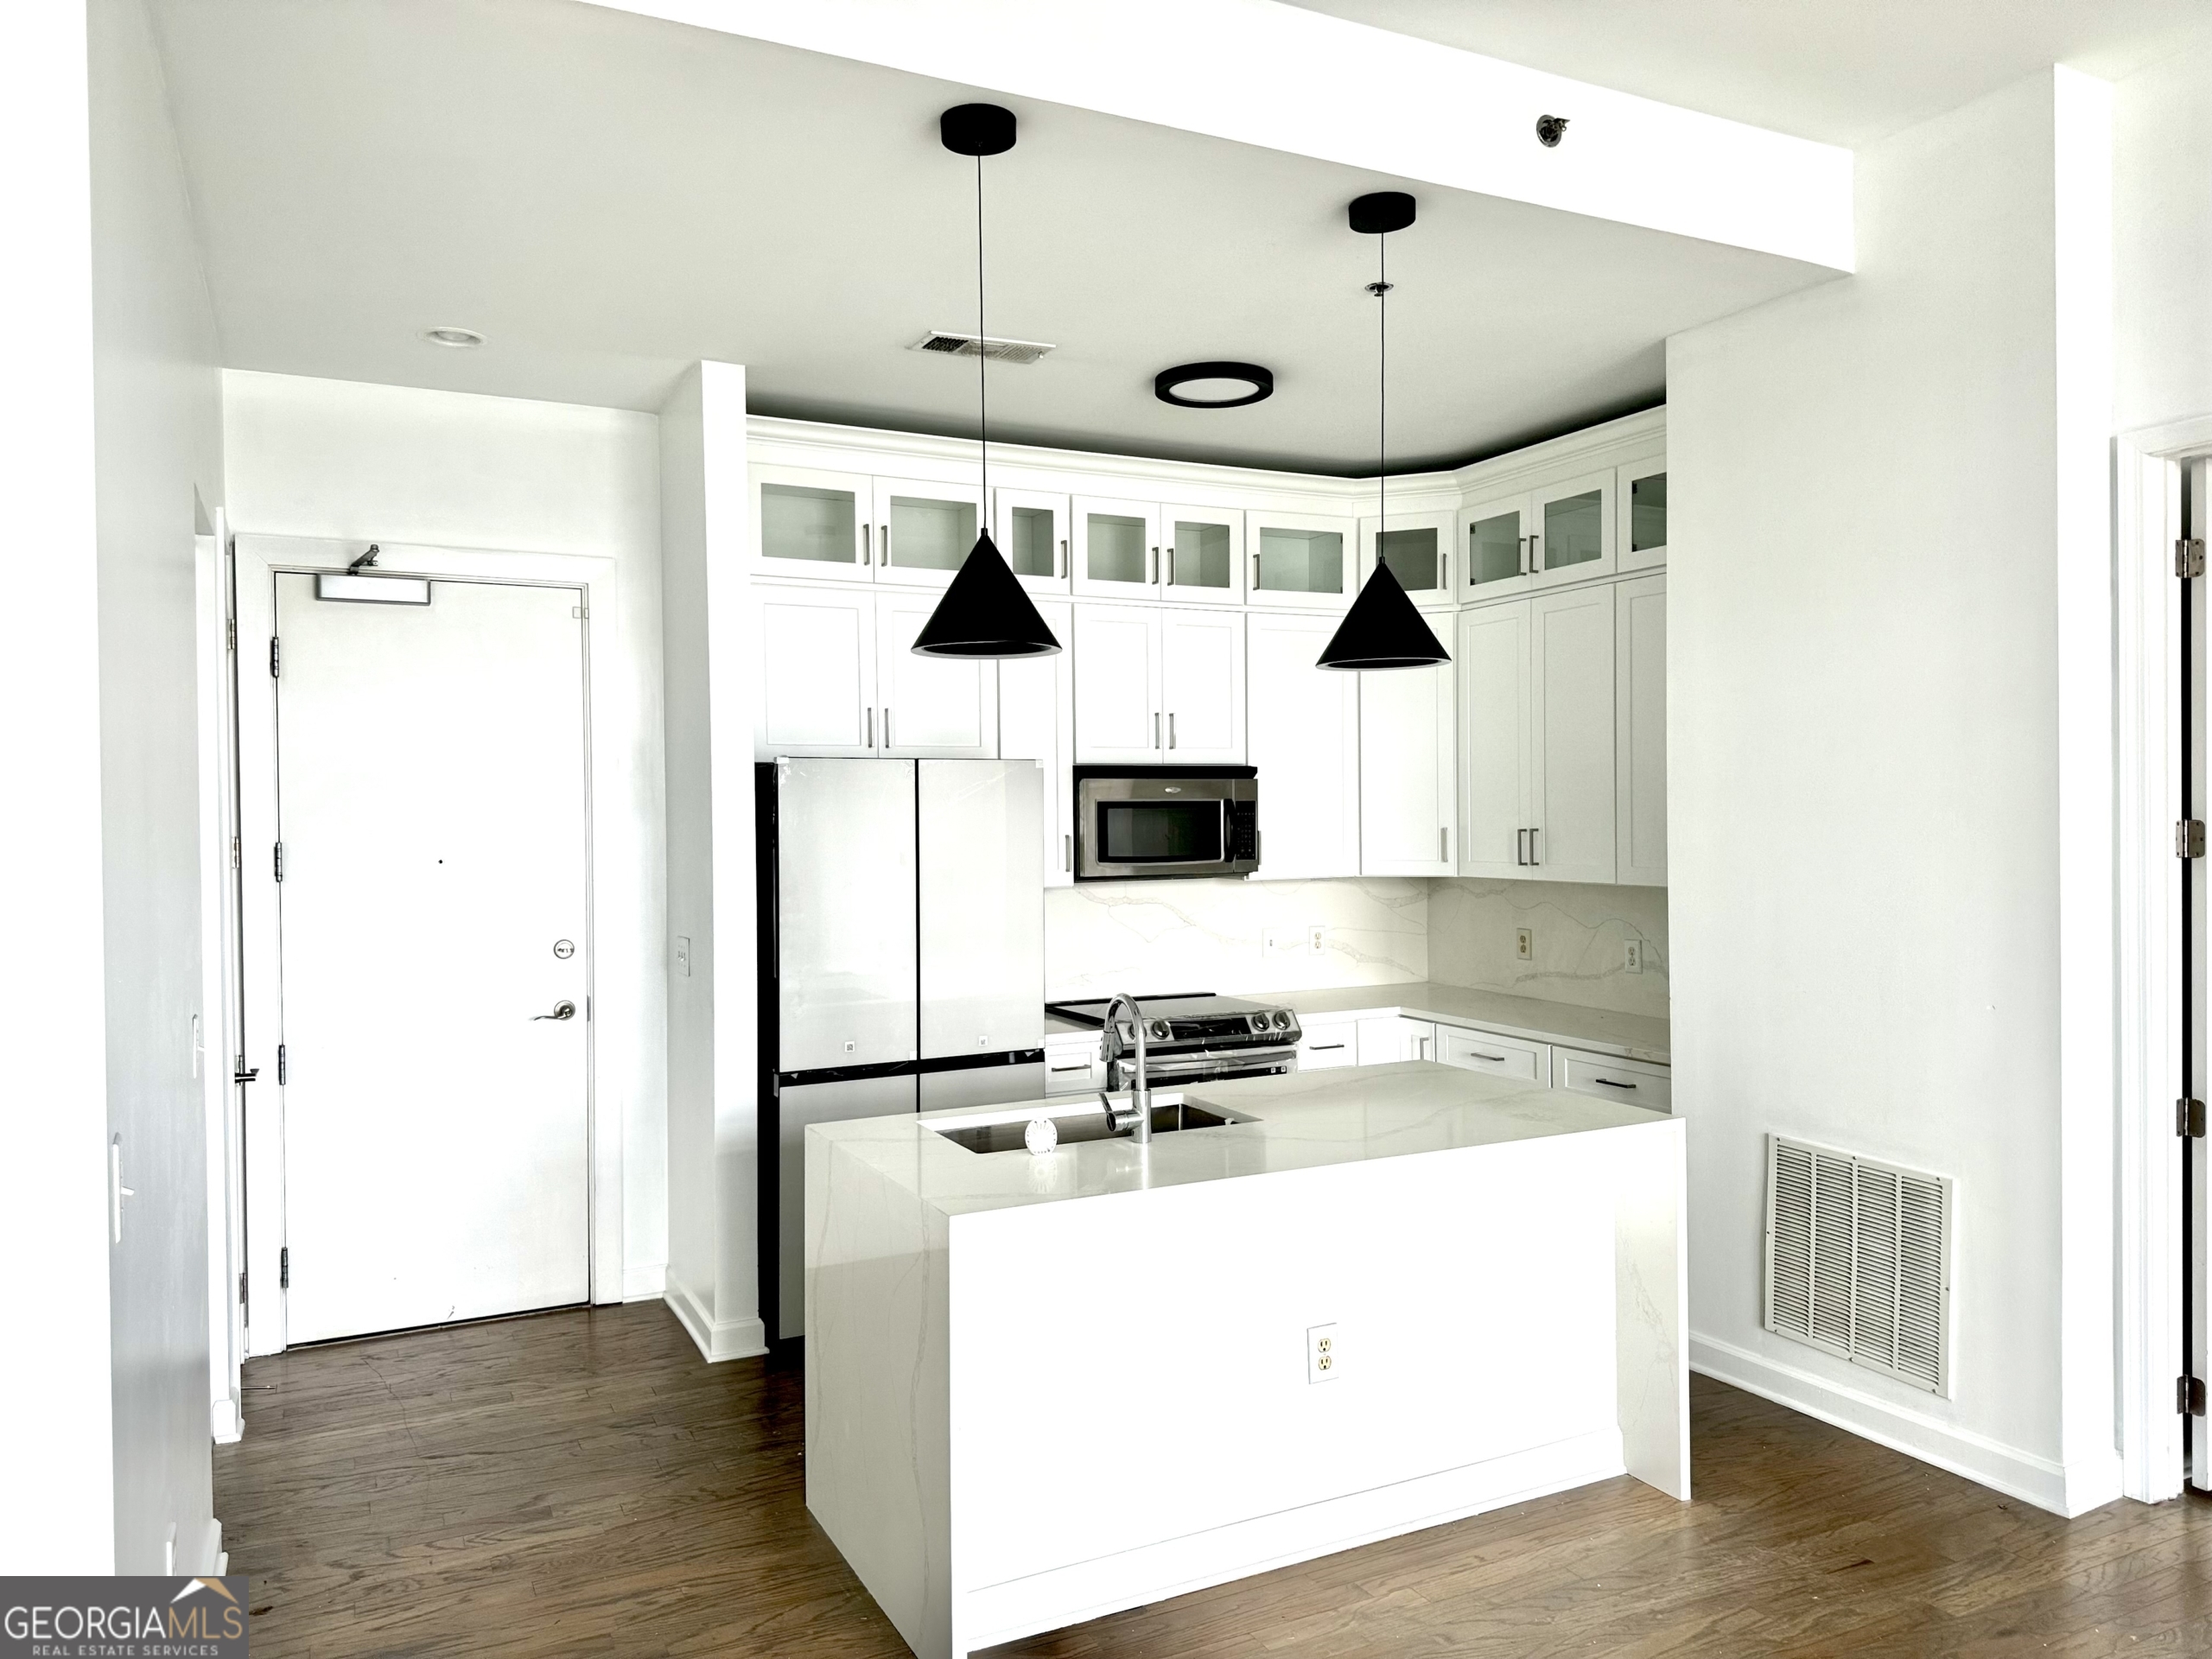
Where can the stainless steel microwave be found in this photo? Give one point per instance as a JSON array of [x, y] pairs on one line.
[[1165, 821]]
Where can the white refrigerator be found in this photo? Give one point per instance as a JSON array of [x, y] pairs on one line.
[[902, 962]]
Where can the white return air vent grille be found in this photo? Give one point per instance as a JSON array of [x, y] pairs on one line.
[[999, 350], [1859, 1260]]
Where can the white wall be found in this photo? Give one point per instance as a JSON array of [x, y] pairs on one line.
[[158, 430], [334, 458], [1578, 934], [1889, 842], [2162, 144]]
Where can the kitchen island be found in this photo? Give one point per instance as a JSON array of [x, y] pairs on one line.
[[1040, 1389]]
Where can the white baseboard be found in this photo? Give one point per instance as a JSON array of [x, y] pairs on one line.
[[2063, 1490], [225, 1421], [644, 1282], [1063, 1596], [731, 1339]]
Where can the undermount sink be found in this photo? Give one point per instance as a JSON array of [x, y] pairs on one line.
[[1007, 1134]]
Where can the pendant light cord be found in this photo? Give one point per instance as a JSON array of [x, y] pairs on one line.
[[1381, 391], [982, 359]]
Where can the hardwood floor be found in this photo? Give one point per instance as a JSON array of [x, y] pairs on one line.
[[584, 1482]]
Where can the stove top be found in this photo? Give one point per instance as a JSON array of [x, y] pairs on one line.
[[1192, 1020]]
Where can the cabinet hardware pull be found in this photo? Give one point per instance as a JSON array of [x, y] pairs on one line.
[[1067, 854], [1443, 845], [1061, 568], [1495, 1059], [1171, 728], [1155, 729], [1535, 847], [1256, 573], [1151, 567], [1521, 847], [1444, 577], [887, 725], [1323, 1048], [1080, 1066], [871, 725], [1610, 1084], [1534, 564], [866, 543], [885, 541]]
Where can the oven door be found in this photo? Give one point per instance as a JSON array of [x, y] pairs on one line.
[[1138, 826]]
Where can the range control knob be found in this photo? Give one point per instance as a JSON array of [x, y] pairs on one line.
[[1159, 1029], [1283, 1020], [1259, 1022]]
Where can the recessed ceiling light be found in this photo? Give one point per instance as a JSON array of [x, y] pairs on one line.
[[460, 339], [1213, 385]]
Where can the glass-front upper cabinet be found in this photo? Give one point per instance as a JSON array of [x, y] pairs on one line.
[[1417, 547], [1116, 547], [1300, 560], [1494, 548], [812, 523], [1032, 531], [1641, 493], [1572, 523], [924, 531], [1202, 555]]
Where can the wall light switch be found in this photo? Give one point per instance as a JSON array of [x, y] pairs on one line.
[[1313, 939], [683, 956], [1634, 962], [1524, 944], [1283, 942]]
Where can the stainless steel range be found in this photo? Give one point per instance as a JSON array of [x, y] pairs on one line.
[[1192, 1039]]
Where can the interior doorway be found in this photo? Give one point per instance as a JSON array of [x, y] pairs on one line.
[[432, 877]]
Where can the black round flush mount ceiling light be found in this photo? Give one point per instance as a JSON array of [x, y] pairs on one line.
[[1213, 385]]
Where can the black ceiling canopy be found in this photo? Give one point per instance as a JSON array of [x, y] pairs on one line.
[[1220, 386]]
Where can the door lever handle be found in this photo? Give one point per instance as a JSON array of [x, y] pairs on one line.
[[563, 1009]]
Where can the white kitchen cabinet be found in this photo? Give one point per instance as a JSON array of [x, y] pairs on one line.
[[929, 708], [1300, 561], [924, 531], [1492, 670], [1031, 529], [1537, 767], [1628, 1083], [1494, 548], [1116, 547], [1499, 1056], [1158, 686], [1418, 548], [1572, 523], [1201, 555], [1074, 1065], [1640, 495], [1325, 1043], [1573, 828], [1037, 723], [1640, 730], [1407, 770], [1385, 1038], [1302, 731], [1116, 684], [816, 664], [812, 523]]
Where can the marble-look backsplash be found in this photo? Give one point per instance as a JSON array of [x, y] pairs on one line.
[[1580, 938], [1104, 937]]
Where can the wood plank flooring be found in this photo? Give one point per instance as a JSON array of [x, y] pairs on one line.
[[583, 1482]]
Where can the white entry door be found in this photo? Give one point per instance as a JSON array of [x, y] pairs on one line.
[[431, 783]]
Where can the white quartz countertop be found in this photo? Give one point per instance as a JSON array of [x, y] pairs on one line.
[[1627, 1036], [1305, 1120]]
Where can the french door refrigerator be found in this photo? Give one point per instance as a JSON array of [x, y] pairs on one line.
[[902, 962]]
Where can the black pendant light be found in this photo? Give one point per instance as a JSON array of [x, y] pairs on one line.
[[1382, 629], [986, 611]]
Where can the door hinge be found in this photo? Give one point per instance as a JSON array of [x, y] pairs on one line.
[[230, 633], [2188, 557], [280, 1062], [2188, 838], [284, 1268], [235, 852], [580, 612], [241, 1290], [280, 860], [2189, 1395], [2189, 1119], [276, 659]]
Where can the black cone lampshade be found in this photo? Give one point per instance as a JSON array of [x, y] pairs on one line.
[[985, 612], [1383, 630]]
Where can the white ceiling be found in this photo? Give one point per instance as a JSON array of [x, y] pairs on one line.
[[1844, 72], [607, 198]]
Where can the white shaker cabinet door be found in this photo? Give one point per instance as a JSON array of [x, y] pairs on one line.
[[1201, 686], [1407, 790], [1571, 724], [1302, 725], [935, 708], [1493, 677], [1640, 699], [818, 672], [1118, 716], [1037, 723]]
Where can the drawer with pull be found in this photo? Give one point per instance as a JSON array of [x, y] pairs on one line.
[[1330, 1043], [1502, 1057], [1073, 1066], [1633, 1083]]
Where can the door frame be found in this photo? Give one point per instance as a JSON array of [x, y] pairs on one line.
[[2152, 1234], [258, 561]]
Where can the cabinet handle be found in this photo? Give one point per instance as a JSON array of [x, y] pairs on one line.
[[1155, 729], [865, 542], [1443, 845], [1444, 576], [871, 725], [1323, 1048], [1477, 1054], [1533, 565], [1610, 1084], [1067, 854], [887, 725], [1061, 568], [1256, 573], [1080, 1066], [1521, 847], [1535, 847], [1171, 728], [884, 543]]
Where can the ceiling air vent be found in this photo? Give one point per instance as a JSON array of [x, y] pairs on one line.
[[999, 350], [1858, 1261]]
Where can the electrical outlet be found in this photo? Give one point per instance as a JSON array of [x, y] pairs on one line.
[[1634, 962], [1283, 942], [1313, 939], [1524, 944], [1324, 1357], [683, 956]]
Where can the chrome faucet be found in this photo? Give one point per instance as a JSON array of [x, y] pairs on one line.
[[1136, 1116]]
